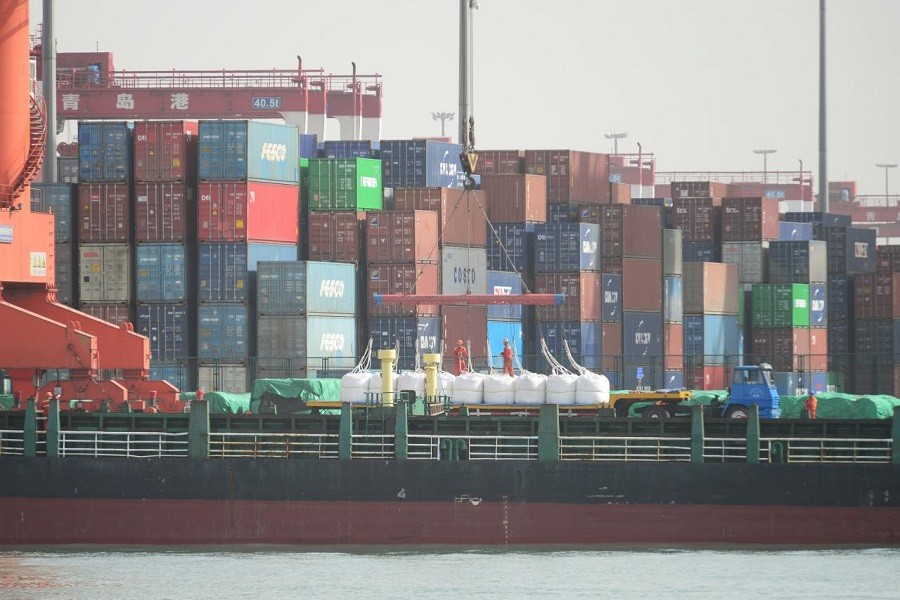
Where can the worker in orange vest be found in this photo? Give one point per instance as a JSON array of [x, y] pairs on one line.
[[811, 404], [507, 358], [43, 406], [460, 354]]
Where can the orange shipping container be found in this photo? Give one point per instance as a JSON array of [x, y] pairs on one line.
[[583, 296], [418, 278], [619, 193], [402, 236], [516, 198], [461, 219]]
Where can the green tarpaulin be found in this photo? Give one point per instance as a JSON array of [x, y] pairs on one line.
[[6, 401], [834, 405], [702, 397], [300, 389], [223, 402]]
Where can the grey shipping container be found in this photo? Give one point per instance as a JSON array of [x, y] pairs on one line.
[[463, 270], [105, 273], [750, 258], [57, 199], [673, 261], [301, 287], [65, 274], [798, 262], [223, 377], [317, 343]]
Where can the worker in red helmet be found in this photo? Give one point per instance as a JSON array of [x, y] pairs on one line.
[[460, 356], [507, 357], [811, 404]]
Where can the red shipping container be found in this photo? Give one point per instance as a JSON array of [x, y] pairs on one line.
[[104, 212], [711, 288], [461, 219], [612, 346], [501, 162], [516, 198], [749, 219], [420, 278], [876, 296], [696, 218], [165, 151], [628, 230], [467, 323], [611, 265], [781, 348], [673, 346], [705, 378], [160, 212], [113, 313], [572, 176], [619, 193], [583, 296], [818, 349], [642, 284], [700, 189], [402, 236], [238, 211], [335, 236], [662, 190], [888, 260]]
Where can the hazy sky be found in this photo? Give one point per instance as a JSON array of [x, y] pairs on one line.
[[700, 83]]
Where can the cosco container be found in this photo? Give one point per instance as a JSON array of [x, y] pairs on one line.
[[165, 151], [501, 162], [421, 163], [336, 236], [794, 231], [511, 249], [696, 218], [515, 198], [750, 258], [749, 219], [223, 332], [167, 327], [642, 336], [798, 262], [161, 272], [350, 149], [611, 287], [161, 212], [780, 306], [711, 288], [851, 250], [632, 231], [584, 340], [421, 278], [115, 313], [672, 252], [301, 287], [694, 252], [463, 270], [315, 344], [402, 236], [345, 184], [497, 331], [105, 273], [876, 296], [467, 323], [712, 339], [561, 247], [104, 213], [504, 283], [582, 296], [224, 268], [673, 299], [66, 277], [411, 334], [818, 305], [786, 349], [461, 219], [103, 151], [223, 377], [242, 150], [248, 211], [572, 176], [57, 199]]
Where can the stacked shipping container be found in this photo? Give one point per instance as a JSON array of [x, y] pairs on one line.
[[712, 336]]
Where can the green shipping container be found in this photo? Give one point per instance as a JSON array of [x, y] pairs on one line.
[[345, 184], [780, 305]]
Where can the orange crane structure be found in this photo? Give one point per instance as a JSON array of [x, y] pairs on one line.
[[38, 334]]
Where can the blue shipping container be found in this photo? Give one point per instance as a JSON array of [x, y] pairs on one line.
[[642, 336], [840, 297], [514, 251], [175, 373], [673, 380], [167, 327], [58, 199], [225, 268], [104, 151], [301, 287], [700, 252], [421, 163], [497, 331], [826, 219], [798, 262], [818, 305], [309, 145], [241, 150], [161, 273], [794, 231], [673, 299], [709, 339], [611, 310], [223, 332], [350, 149], [407, 332], [584, 339], [651, 372], [566, 247], [818, 383], [504, 283]]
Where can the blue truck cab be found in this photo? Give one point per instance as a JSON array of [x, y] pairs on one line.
[[752, 384]]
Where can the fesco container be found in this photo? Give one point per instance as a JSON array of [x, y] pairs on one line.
[[223, 332], [165, 151], [168, 328], [412, 333], [572, 176], [224, 377], [711, 288], [161, 272], [515, 198], [851, 250], [114, 313], [631, 231], [161, 212], [794, 231], [673, 299], [461, 219], [248, 211], [584, 340], [561, 247], [504, 283], [241, 150], [105, 273], [345, 184], [750, 219], [642, 336], [305, 287], [104, 213], [402, 236], [798, 262], [419, 278], [672, 252], [59, 200], [818, 305], [312, 343], [713, 339], [780, 305], [497, 331], [421, 163], [582, 295], [611, 286], [336, 236], [350, 149], [66, 277], [511, 249], [104, 151], [467, 323], [224, 268], [463, 270], [750, 258], [696, 218], [694, 252]]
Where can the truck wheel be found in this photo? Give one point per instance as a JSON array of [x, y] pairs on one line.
[[656, 412], [737, 412]]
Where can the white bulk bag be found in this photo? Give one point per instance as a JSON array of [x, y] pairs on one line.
[[467, 388], [531, 389], [591, 388], [561, 388], [411, 380], [354, 386], [499, 390]]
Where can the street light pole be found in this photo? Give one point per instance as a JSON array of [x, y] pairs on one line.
[[615, 137], [443, 117], [765, 154], [887, 167]]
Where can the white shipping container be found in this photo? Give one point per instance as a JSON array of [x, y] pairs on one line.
[[223, 378], [463, 269], [105, 273], [750, 257]]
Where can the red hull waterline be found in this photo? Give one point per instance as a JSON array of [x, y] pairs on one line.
[[26, 521]]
